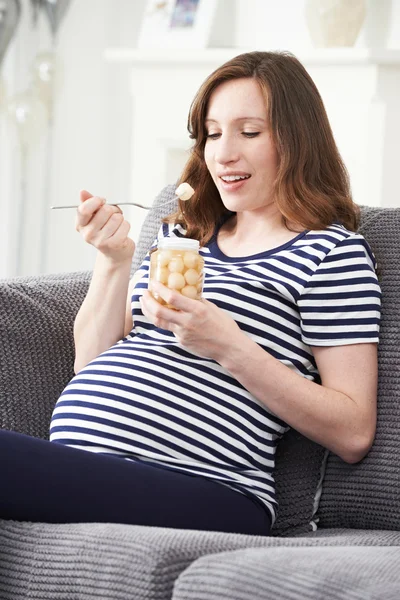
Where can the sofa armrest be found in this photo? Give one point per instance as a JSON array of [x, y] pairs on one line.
[[36, 346], [288, 573]]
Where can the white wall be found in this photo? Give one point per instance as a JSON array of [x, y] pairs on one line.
[[90, 141], [93, 121]]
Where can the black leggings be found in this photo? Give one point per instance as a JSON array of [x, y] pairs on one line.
[[48, 482]]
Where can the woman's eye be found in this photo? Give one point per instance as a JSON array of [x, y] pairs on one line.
[[248, 134]]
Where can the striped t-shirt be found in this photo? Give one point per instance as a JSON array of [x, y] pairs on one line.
[[147, 398]]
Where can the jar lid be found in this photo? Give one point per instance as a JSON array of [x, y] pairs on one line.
[[176, 243]]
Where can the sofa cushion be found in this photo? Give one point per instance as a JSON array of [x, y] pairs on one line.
[[127, 562], [291, 573], [365, 495], [36, 346]]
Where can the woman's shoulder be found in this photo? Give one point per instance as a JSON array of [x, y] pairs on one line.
[[336, 231], [341, 242], [337, 234]]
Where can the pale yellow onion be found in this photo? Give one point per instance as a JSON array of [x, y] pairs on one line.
[[184, 191], [176, 281], [192, 276], [176, 265], [189, 291], [164, 257], [190, 259], [162, 274]]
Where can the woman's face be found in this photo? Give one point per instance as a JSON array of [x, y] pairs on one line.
[[239, 151]]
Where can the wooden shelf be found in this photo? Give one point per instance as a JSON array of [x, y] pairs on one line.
[[314, 57]]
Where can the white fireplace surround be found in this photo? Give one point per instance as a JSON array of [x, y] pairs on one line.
[[360, 89]]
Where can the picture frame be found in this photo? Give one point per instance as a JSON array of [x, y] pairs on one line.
[[177, 24]]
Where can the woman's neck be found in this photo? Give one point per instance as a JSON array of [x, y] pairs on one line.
[[246, 234]]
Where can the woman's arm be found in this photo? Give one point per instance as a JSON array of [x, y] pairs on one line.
[[340, 414], [101, 319]]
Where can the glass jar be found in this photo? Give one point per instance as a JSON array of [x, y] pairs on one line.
[[176, 263]]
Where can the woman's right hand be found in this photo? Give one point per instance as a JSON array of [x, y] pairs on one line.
[[104, 227]]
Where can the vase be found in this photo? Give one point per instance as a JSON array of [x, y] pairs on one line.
[[333, 23]]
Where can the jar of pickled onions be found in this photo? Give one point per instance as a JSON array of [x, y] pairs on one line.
[[177, 264]]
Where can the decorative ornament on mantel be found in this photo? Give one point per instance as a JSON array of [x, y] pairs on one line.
[[35, 11], [55, 11], [42, 78], [29, 116], [3, 94], [10, 11], [334, 23]]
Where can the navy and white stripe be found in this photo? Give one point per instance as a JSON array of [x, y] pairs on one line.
[[147, 398]]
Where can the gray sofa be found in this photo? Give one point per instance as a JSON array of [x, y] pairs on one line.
[[355, 551]]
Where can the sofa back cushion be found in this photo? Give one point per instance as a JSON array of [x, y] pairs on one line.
[[366, 495], [36, 346]]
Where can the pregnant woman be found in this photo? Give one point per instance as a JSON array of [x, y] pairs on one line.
[[174, 414]]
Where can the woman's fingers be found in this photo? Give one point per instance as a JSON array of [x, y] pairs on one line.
[[175, 298], [87, 210], [101, 217], [98, 222], [160, 315], [121, 232], [85, 195], [103, 226], [113, 233], [152, 313]]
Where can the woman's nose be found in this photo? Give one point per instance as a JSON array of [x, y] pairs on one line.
[[226, 150]]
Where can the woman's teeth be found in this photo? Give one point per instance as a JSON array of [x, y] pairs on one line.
[[234, 177]]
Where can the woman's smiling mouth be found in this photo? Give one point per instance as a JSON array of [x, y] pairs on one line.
[[234, 181]]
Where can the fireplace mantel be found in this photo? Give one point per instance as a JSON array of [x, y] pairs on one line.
[[360, 88], [209, 56]]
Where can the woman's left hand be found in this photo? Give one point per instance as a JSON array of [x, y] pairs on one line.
[[199, 325]]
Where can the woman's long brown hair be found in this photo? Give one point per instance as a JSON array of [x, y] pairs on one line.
[[312, 187]]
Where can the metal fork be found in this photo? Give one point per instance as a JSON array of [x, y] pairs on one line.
[[118, 203]]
